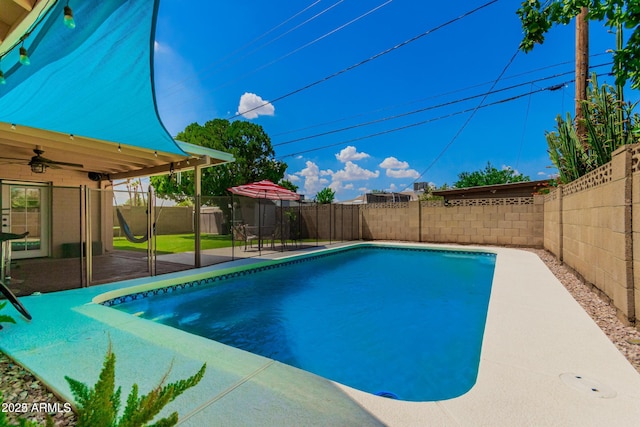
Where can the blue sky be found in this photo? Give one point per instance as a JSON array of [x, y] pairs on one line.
[[344, 114]]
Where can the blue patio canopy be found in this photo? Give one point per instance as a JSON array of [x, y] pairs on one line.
[[93, 81]]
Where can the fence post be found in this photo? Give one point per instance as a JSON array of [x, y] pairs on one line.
[[419, 221]]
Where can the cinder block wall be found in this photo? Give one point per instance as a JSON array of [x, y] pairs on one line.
[[588, 225], [391, 221], [553, 222], [511, 221], [516, 221], [635, 229]]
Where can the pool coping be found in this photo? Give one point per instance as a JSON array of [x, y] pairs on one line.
[[542, 356]]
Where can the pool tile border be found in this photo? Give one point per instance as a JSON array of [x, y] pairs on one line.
[[273, 265]]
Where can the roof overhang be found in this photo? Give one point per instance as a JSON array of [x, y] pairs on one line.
[[18, 16], [79, 108], [495, 190], [106, 158]]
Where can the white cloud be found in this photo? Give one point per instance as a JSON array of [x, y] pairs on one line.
[[353, 172], [293, 178], [393, 163], [507, 168], [397, 169], [312, 178], [251, 106], [403, 173], [316, 179], [542, 174], [350, 153]]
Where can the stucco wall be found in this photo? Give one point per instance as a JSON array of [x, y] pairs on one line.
[[169, 219]]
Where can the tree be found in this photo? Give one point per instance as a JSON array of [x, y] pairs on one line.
[[288, 185], [538, 19], [326, 195], [489, 176], [248, 143]]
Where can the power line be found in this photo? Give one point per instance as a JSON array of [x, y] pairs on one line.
[[444, 150], [294, 51], [420, 123], [421, 110], [365, 61], [524, 126], [466, 123], [423, 122], [252, 42], [391, 107]]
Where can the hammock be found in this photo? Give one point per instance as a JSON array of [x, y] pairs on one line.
[[127, 231]]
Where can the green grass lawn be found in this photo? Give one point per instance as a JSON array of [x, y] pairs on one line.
[[175, 243]]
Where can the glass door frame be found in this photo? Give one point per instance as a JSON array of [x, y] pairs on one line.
[[44, 225]]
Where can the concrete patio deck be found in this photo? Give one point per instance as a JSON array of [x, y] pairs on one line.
[[544, 362]]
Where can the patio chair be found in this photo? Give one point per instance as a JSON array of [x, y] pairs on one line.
[[285, 235], [242, 234], [5, 255]]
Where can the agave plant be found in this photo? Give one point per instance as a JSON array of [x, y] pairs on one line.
[[99, 406]]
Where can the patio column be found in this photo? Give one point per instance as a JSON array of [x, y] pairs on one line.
[[197, 173], [151, 232]]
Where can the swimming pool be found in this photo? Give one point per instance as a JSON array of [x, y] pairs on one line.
[[398, 322]]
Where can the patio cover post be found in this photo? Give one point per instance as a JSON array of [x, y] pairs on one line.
[[85, 247], [83, 267], [151, 225], [197, 172]]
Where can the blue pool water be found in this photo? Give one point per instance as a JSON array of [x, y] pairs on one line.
[[405, 322]]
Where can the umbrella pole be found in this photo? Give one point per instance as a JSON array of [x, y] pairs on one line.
[[233, 230], [259, 229]]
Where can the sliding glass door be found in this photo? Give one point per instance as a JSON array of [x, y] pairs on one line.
[[25, 207]]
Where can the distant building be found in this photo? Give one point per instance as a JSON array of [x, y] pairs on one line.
[[380, 198], [387, 197], [514, 189], [420, 186]]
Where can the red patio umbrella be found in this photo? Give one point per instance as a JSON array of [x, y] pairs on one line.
[[264, 190]]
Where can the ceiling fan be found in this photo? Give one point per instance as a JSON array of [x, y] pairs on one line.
[[40, 164]]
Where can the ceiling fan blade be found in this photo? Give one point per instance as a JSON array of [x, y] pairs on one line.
[[13, 158], [72, 165], [49, 162]]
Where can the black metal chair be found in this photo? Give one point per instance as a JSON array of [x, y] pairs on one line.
[[5, 239]]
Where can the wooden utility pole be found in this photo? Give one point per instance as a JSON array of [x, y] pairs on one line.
[[582, 70]]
